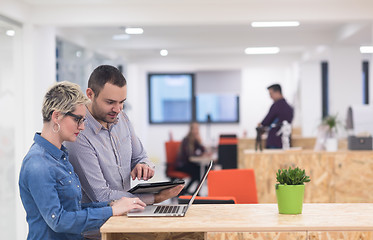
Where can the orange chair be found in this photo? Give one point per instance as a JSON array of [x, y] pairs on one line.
[[172, 149], [227, 151], [207, 200], [239, 183]]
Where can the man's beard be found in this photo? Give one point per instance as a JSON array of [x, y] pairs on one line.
[[102, 116]]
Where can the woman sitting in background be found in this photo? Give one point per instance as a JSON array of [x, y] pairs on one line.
[[190, 146], [49, 188]]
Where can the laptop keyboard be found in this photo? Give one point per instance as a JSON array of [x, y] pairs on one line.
[[167, 209]]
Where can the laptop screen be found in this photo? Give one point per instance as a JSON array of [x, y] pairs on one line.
[[200, 184]]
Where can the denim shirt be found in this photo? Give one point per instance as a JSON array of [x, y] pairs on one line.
[[51, 195]]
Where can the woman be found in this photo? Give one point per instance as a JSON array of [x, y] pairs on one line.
[[49, 188], [190, 146]]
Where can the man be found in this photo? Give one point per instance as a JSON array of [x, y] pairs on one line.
[[279, 111], [107, 152]]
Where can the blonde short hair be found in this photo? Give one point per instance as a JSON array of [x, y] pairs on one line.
[[63, 97]]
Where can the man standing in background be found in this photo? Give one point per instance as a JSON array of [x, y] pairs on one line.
[[279, 112]]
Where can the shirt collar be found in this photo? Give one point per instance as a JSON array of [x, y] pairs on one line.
[[50, 148], [96, 125]]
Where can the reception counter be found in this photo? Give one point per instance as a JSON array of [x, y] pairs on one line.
[[336, 177], [249, 221]]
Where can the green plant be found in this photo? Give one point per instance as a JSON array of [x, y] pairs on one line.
[[291, 176], [331, 121]]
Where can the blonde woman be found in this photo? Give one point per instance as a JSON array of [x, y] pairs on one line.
[[49, 188]]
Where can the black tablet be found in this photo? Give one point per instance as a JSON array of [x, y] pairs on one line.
[[155, 187]]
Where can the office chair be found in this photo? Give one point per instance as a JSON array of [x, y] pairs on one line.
[[206, 200], [172, 149], [227, 152], [239, 183]]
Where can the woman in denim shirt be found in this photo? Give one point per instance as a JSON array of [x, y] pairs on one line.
[[49, 188]]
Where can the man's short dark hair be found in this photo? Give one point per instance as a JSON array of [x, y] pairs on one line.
[[275, 88], [105, 74]]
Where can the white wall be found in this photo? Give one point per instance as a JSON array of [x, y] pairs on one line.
[[37, 70], [310, 97], [345, 80]]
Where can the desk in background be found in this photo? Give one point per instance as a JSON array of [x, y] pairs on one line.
[[336, 177], [204, 161], [249, 221]]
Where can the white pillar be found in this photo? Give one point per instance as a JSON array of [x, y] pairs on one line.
[[37, 74], [345, 80], [310, 97]]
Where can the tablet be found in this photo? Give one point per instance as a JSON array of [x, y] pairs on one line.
[[155, 187]]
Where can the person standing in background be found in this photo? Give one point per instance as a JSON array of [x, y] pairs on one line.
[[279, 111]]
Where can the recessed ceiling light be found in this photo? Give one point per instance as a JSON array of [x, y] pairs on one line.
[[10, 32], [78, 54], [366, 49], [121, 37], [134, 30], [163, 52], [276, 24], [262, 50]]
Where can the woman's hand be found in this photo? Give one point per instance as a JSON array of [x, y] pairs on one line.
[[125, 204]]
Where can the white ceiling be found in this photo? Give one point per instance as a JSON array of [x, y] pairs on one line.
[[224, 40], [205, 28]]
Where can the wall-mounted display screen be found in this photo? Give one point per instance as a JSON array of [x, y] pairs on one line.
[[223, 108], [170, 98]]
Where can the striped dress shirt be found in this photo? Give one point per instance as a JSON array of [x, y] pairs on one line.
[[103, 159]]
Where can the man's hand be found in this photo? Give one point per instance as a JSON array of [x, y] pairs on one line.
[[142, 170], [168, 193]]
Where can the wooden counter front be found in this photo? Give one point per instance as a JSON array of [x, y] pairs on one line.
[[209, 221], [336, 177]]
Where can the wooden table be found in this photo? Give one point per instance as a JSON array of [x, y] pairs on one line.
[[251, 221], [204, 161]]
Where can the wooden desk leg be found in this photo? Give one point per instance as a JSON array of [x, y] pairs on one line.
[[154, 236]]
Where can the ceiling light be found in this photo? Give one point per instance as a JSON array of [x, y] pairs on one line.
[[10, 32], [163, 52], [276, 24], [366, 49], [134, 30], [121, 37], [78, 54], [262, 50]]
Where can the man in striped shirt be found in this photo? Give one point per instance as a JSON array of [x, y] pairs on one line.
[[107, 153]]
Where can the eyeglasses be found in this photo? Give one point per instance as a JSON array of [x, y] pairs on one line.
[[77, 118]]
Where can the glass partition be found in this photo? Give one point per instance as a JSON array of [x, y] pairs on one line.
[[10, 45]]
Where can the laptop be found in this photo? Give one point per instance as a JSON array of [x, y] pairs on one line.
[[177, 210]]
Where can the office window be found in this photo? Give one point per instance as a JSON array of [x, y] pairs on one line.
[[325, 88], [221, 108], [365, 82], [170, 98]]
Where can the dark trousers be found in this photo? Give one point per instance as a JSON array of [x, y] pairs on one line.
[[193, 169]]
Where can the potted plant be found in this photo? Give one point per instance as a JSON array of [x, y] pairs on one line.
[[290, 190], [331, 123]]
